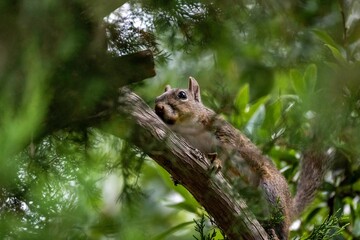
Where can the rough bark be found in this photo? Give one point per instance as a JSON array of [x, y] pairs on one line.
[[189, 167]]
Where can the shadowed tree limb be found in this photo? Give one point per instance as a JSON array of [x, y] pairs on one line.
[[86, 101]]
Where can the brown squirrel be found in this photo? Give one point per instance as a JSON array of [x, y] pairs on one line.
[[183, 111]]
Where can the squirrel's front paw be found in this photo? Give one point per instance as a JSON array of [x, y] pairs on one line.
[[215, 163], [175, 181]]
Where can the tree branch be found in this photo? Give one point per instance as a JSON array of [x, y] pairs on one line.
[[72, 106], [189, 166]]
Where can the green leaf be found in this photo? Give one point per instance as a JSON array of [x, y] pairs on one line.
[[256, 120], [255, 115], [327, 186], [356, 185], [242, 98], [172, 230], [297, 82], [313, 213], [324, 37], [336, 53], [356, 227], [184, 206], [310, 77], [273, 115], [329, 42], [169, 182], [254, 107]]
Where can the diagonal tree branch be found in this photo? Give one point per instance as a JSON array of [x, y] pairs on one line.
[[68, 107], [188, 166]]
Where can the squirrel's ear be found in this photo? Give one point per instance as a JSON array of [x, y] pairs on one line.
[[194, 88], [167, 88]]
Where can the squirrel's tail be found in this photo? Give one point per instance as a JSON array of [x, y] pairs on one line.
[[313, 168]]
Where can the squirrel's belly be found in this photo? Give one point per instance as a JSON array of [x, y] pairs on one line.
[[199, 138]]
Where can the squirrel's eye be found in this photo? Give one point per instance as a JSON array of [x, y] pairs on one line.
[[182, 95]]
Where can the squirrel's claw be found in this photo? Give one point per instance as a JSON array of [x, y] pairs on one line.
[[175, 181], [215, 163]]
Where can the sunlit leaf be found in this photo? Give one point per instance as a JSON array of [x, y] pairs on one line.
[[255, 106], [336, 53], [256, 120], [184, 206], [189, 199], [170, 231], [242, 98], [297, 81], [356, 227], [273, 114]]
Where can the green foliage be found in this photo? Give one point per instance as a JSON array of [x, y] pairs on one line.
[[172, 230], [329, 229], [304, 85], [276, 216], [200, 228], [285, 73]]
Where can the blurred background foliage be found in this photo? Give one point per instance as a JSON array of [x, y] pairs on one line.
[[286, 73]]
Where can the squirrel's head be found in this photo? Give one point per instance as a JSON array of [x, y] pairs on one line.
[[177, 106]]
